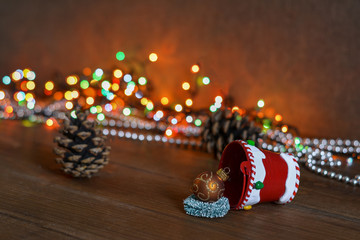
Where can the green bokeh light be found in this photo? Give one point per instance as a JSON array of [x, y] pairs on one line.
[[120, 56]]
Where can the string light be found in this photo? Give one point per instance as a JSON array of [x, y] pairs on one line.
[[73, 114], [126, 111], [29, 97], [198, 122], [149, 106], [144, 101], [115, 87], [30, 75], [69, 105], [93, 110], [186, 86], [278, 118], [189, 119], [2, 95], [99, 72], [284, 128], [213, 108], [178, 108], [153, 57], [68, 95], [71, 80], [105, 85], [218, 99], [164, 101], [90, 100], [120, 56], [142, 81], [189, 102], [118, 73], [168, 132], [127, 78], [84, 84], [206, 80], [75, 94], [261, 103], [108, 107], [6, 80], [30, 85], [49, 122], [49, 85], [159, 114], [101, 117], [195, 68], [9, 109], [16, 76]]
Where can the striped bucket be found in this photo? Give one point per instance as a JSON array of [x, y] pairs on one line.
[[258, 175]]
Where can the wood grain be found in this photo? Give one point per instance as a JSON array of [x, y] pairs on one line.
[[139, 196]]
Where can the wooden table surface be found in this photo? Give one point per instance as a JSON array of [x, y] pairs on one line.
[[139, 196]]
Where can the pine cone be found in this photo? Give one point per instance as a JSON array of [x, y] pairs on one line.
[[83, 151], [224, 127]]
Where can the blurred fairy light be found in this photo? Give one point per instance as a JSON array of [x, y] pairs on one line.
[[206, 80], [178, 108], [127, 78], [99, 72], [198, 122], [284, 128], [142, 81], [118, 73], [261, 103], [30, 75], [30, 85], [195, 68], [120, 56], [84, 84], [168, 132], [189, 119], [278, 118], [71, 80], [90, 100], [126, 111], [100, 117], [164, 101], [153, 57], [2, 95], [149, 106], [49, 85], [69, 105], [185, 86], [106, 85], [73, 114], [188, 102], [6, 80]]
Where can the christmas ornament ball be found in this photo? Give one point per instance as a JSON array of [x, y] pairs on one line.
[[208, 187]]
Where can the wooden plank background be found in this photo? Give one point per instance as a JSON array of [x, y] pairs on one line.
[[139, 196]]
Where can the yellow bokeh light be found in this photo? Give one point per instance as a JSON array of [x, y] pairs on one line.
[[144, 101], [195, 68], [115, 87], [164, 101], [29, 97], [25, 72], [69, 105], [16, 76], [284, 129], [178, 108], [186, 86], [71, 80], [153, 57], [90, 100], [49, 85], [30, 85], [68, 95], [189, 102], [278, 117], [118, 73], [49, 122]]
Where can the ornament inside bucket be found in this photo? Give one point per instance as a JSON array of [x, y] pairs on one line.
[[252, 176]]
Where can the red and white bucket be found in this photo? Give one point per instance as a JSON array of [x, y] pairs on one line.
[[258, 175]]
